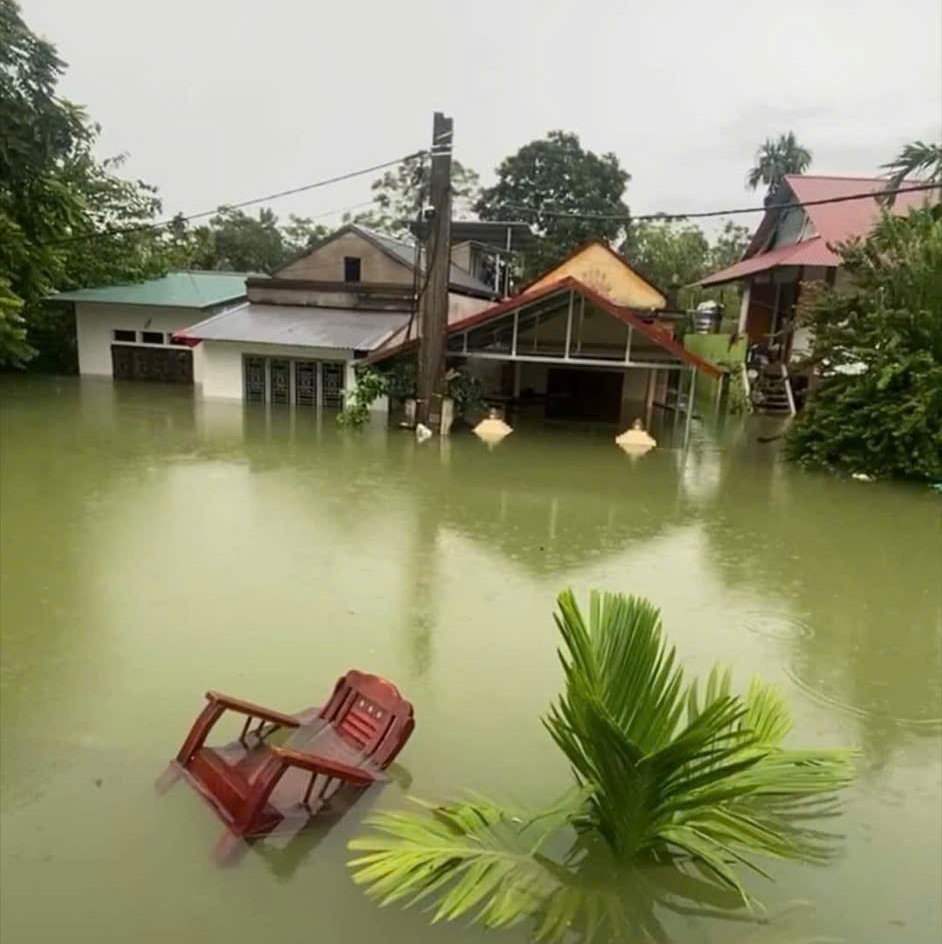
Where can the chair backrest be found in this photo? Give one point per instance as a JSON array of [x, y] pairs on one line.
[[369, 713]]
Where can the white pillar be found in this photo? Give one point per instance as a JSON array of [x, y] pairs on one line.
[[744, 309]]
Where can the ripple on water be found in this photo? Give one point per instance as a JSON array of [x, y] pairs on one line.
[[777, 625], [821, 697]]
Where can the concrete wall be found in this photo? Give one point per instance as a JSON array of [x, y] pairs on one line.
[[222, 376], [326, 264], [96, 322]]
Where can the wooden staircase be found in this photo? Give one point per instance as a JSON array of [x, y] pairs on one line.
[[771, 392]]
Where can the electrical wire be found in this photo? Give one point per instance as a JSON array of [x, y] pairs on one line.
[[667, 217], [143, 227]]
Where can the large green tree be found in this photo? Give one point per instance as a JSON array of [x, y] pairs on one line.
[[398, 196], [56, 201], [877, 406], [556, 175], [775, 158]]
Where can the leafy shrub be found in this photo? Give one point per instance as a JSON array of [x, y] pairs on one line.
[[877, 405]]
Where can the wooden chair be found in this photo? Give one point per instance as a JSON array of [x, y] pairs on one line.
[[256, 787]]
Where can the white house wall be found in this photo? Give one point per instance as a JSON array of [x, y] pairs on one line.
[[222, 376], [96, 322]]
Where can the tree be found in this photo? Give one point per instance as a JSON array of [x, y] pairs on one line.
[[691, 777], [917, 159], [56, 199], [556, 175], [670, 254], [776, 158], [877, 405], [398, 196], [676, 254], [729, 246]]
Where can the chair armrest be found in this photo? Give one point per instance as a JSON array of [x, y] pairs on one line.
[[321, 765], [256, 711]]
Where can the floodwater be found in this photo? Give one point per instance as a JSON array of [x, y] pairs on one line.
[[154, 547]]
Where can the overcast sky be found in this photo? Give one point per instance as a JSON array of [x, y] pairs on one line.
[[223, 100]]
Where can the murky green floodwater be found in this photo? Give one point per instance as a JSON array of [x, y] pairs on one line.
[[153, 547]]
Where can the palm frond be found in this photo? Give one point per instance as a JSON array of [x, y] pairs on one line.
[[474, 858]]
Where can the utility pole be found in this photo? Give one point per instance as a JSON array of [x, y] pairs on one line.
[[433, 305]]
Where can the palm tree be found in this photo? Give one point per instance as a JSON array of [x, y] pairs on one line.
[[776, 158], [917, 159], [664, 777]]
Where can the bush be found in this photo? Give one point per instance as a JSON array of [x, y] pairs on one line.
[[877, 406]]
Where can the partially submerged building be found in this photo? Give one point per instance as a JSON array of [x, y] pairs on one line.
[[589, 339]]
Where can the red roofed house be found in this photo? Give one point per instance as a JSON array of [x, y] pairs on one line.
[[796, 245], [587, 340]]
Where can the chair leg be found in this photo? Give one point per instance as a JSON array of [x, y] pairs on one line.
[[265, 781], [201, 727]]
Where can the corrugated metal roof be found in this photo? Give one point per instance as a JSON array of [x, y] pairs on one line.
[[833, 223], [811, 252], [342, 328], [838, 222], [174, 290], [405, 253]]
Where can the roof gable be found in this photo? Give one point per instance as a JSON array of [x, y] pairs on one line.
[[599, 267], [399, 343], [399, 252]]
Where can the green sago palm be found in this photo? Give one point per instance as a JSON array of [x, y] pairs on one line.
[[667, 775]]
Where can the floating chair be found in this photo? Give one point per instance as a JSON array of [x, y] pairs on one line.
[[257, 786]]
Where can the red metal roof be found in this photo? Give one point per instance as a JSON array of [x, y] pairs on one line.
[[569, 283], [833, 223], [838, 222], [811, 252]]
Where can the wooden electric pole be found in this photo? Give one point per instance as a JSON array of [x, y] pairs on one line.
[[433, 304]]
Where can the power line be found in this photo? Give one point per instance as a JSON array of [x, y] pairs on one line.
[[143, 227], [624, 217]]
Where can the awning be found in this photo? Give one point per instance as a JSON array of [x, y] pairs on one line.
[[811, 252], [299, 326]]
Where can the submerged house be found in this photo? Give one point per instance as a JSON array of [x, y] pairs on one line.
[[297, 336], [589, 339], [126, 332]]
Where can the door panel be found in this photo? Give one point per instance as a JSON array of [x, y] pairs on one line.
[[170, 365]]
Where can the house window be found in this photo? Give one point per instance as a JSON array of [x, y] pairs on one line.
[[305, 383], [351, 268], [332, 380], [120, 334], [279, 390], [152, 337], [254, 371]]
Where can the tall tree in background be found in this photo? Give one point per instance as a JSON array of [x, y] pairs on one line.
[[675, 254], [776, 158], [918, 160], [398, 195], [557, 175]]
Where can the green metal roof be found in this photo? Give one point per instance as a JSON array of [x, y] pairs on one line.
[[174, 290]]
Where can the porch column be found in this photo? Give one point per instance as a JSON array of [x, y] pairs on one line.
[[649, 398], [689, 417], [744, 309], [568, 326]]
